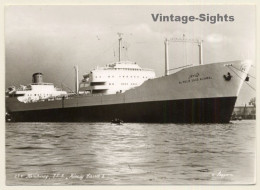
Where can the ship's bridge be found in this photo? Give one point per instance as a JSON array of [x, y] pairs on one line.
[[123, 65], [115, 78]]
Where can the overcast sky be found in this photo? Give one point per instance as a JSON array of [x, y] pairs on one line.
[[52, 39]]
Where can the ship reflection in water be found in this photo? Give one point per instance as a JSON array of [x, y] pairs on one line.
[[104, 153]]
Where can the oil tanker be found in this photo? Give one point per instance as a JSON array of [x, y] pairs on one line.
[[204, 93]]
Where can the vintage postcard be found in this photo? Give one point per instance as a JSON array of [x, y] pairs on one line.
[[130, 94]]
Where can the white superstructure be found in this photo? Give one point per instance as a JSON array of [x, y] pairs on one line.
[[115, 78], [36, 91]]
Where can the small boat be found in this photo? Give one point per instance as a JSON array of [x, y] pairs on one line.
[[117, 121]]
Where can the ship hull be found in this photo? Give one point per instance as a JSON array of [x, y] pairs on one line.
[[199, 94], [207, 110]]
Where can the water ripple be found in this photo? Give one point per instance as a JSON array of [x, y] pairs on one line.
[[131, 153]]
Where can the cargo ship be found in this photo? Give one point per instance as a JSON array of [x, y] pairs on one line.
[[203, 93]]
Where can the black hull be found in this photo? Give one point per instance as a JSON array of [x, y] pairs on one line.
[[206, 110]]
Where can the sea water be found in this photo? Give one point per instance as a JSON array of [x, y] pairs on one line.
[[130, 154]]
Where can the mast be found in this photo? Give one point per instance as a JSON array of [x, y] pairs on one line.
[[76, 79], [120, 44], [166, 43], [201, 52]]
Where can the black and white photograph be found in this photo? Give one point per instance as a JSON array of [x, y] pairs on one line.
[[130, 95]]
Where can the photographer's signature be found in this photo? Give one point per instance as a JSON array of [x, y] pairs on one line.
[[221, 174]]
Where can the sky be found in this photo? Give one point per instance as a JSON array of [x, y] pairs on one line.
[[53, 39]]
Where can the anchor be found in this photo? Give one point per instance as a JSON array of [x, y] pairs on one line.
[[228, 77]]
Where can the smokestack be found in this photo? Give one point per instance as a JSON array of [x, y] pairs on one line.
[[37, 78], [76, 79]]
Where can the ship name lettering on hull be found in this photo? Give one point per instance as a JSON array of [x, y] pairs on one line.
[[195, 79]]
